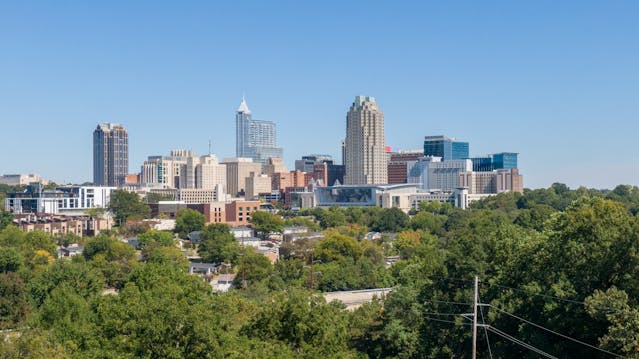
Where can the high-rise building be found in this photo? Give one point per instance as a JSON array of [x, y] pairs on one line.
[[446, 148], [365, 149], [254, 139], [110, 154], [237, 169]]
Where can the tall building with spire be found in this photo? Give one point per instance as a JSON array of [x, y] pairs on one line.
[[110, 154], [255, 139], [364, 147]]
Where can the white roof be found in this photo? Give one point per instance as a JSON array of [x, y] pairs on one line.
[[244, 107]]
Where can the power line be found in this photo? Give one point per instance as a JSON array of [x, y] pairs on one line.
[[519, 342], [445, 321], [481, 311], [537, 294], [553, 332], [447, 302]]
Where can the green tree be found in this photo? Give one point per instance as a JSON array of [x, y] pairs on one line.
[[10, 259], [391, 220], [218, 244], [303, 321], [6, 218], [188, 220], [13, 300], [161, 238], [127, 205], [336, 247], [264, 223], [256, 267]]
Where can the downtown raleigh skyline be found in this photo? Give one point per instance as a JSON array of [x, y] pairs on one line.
[[442, 165]]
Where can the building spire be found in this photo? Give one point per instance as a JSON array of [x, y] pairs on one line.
[[244, 107]]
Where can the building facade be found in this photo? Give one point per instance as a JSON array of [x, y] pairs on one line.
[[400, 164], [237, 170], [110, 155], [446, 148], [62, 200], [365, 149], [254, 139]]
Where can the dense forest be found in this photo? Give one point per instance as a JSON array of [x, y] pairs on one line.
[[557, 268]]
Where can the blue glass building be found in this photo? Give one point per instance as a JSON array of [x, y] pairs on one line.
[[255, 139], [497, 161], [447, 148]]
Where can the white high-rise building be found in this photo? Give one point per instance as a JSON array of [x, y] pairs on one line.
[[184, 169], [365, 146]]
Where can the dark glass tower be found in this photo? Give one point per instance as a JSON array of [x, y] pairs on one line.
[[110, 154]]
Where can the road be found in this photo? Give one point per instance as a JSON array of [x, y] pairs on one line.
[[354, 298]]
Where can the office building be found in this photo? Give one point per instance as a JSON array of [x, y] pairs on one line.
[[446, 148], [365, 149], [254, 139], [400, 164], [70, 200], [110, 155], [496, 161], [255, 184], [237, 170], [321, 167], [166, 171], [274, 165]]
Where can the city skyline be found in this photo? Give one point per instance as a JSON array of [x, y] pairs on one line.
[[552, 82]]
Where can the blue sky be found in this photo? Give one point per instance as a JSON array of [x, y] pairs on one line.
[[557, 82]]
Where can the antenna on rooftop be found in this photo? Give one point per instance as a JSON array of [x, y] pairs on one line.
[[209, 147]]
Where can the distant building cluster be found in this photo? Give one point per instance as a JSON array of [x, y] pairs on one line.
[[228, 190]]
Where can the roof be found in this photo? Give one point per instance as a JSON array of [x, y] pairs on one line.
[[196, 265], [244, 107]]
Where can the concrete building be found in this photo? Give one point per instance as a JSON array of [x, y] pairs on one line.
[[110, 155], [257, 183], [237, 170], [255, 139], [183, 169], [493, 182], [365, 149], [274, 165], [166, 171], [21, 179]]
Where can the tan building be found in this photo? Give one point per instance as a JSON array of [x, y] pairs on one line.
[[493, 182], [274, 165], [365, 149], [509, 180], [256, 184], [237, 170]]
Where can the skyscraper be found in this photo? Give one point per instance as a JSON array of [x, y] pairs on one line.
[[365, 150], [255, 139], [446, 148], [110, 154]]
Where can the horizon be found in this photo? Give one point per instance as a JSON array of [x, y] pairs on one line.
[[553, 82]]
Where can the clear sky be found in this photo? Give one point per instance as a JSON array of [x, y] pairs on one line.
[[556, 81]]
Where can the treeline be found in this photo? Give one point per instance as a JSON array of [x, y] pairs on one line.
[[565, 260]]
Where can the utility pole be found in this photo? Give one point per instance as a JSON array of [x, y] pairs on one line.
[[475, 296]]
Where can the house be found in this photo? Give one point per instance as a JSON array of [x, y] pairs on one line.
[[206, 269], [70, 251], [223, 282]]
